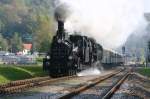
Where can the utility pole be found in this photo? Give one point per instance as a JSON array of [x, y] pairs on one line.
[[123, 53], [148, 54]]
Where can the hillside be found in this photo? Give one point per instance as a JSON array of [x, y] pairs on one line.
[[32, 20]]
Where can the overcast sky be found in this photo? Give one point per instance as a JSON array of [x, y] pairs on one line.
[[147, 5]]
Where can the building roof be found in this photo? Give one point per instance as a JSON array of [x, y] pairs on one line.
[[27, 46]]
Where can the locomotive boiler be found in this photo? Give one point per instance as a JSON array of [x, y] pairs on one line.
[[70, 53]]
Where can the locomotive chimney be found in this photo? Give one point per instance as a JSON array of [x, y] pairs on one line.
[[60, 25], [60, 31]]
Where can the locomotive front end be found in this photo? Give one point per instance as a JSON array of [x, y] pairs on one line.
[[56, 61], [60, 52]]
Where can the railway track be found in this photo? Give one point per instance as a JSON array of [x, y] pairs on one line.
[[20, 85], [109, 94], [59, 88], [21, 82], [73, 92]]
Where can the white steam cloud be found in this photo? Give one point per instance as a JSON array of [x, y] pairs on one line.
[[110, 22]]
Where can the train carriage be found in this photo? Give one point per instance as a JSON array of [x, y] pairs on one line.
[[111, 59]]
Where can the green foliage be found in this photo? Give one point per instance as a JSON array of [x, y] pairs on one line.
[[16, 43], [3, 43], [27, 17], [44, 46], [43, 34]]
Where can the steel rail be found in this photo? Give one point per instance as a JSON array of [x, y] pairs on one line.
[[20, 87], [87, 86], [110, 93]]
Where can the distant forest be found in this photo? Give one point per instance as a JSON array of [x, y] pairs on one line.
[[26, 21]]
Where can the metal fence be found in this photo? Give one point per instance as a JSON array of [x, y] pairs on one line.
[[17, 59]]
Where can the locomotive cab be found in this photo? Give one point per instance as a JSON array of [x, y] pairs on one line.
[[84, 47]]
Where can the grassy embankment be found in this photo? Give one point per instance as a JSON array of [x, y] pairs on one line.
[[145, 71], [11, 72]]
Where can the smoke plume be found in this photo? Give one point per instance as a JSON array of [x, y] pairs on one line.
[[61, 11], [90, 71], [110, 22]]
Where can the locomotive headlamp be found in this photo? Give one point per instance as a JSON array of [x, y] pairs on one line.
[[47, 57], [59, 41], [70, 57]]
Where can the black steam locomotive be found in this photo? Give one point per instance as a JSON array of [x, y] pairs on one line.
[[70, 53]]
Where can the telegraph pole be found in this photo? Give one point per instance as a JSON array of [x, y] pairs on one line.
[[148, 54], [123, 53]]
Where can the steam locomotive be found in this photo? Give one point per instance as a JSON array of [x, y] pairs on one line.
[[70, 54]]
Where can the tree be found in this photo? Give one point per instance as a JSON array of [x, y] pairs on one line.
[[43, 33], [45, 46], [16, 43], [3, 43]]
